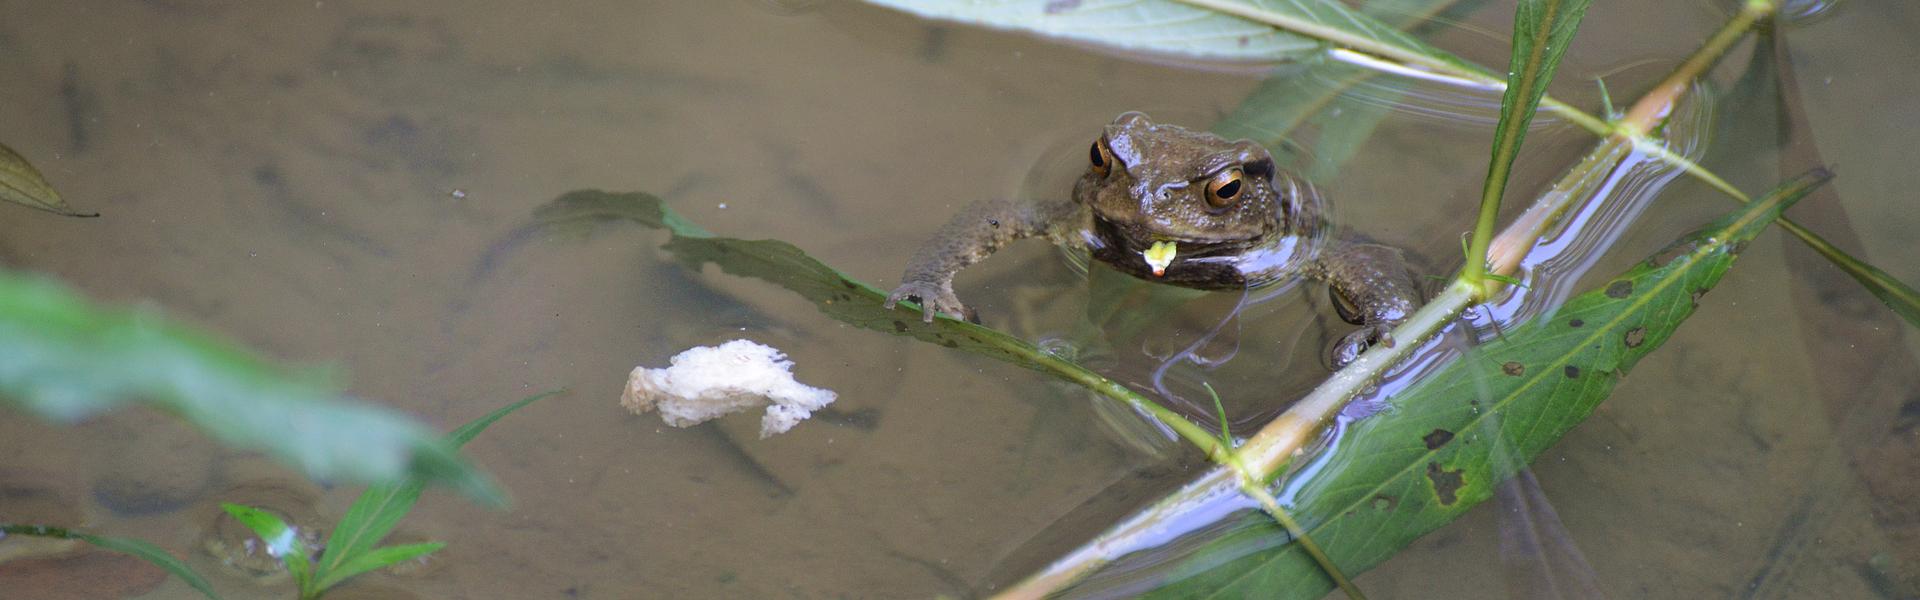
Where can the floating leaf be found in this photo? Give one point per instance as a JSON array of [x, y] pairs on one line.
[[138, 548], [1454, 436], [1268, 30], [67, 359], [1149, 26], [22, 184]]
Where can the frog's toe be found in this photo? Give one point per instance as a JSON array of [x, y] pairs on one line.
[[1347, 350], [933, 298], [1351, 345], [1359, 340]]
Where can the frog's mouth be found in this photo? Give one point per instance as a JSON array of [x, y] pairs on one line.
[[1196, 263]]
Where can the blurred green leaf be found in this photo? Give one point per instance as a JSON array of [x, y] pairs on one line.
[[1450, 439], [379, 509], [138, 548], [22, 184], [67, 359]]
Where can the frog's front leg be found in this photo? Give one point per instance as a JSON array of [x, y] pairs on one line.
[[971, 237], [1373, 287]]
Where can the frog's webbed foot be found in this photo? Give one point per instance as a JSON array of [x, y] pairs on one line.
[[934, 297], [1359, 340], [1370, 286]]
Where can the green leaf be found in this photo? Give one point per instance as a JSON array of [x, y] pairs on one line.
[[1542, 30], [282, 540], [67, 359], [378, 558], [379, 509], [138, 548], [1454, 436], [1160, 27], [22, 184]]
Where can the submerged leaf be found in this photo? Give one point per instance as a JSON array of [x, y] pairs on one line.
[[779, 262], [378, 558], [138, 548], [67, 359], [22, 184], [1453, 437]]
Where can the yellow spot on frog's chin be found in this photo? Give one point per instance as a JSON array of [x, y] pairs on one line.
[[1159, 256]]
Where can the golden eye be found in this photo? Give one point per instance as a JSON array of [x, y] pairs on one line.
[[1102, 157], [1225, 187]]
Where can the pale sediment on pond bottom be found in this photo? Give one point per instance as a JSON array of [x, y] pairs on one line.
[[705, 382]]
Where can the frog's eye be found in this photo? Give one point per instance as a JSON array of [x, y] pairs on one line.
[[1225, 187], [1102, 157]]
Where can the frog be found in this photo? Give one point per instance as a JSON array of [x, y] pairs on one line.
[[1176, 206]]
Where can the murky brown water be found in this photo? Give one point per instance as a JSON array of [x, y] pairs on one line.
[[340, 182]]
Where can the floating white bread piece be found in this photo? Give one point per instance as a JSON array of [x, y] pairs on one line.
[[706, 382]]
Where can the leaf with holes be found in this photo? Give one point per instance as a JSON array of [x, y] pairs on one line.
[[1450, 439]]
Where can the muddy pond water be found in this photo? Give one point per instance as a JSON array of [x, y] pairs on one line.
[[348, 184]]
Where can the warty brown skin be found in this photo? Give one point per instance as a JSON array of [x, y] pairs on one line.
[[1235, 220]]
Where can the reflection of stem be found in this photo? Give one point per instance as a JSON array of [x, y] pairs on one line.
[[1113, 389]]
